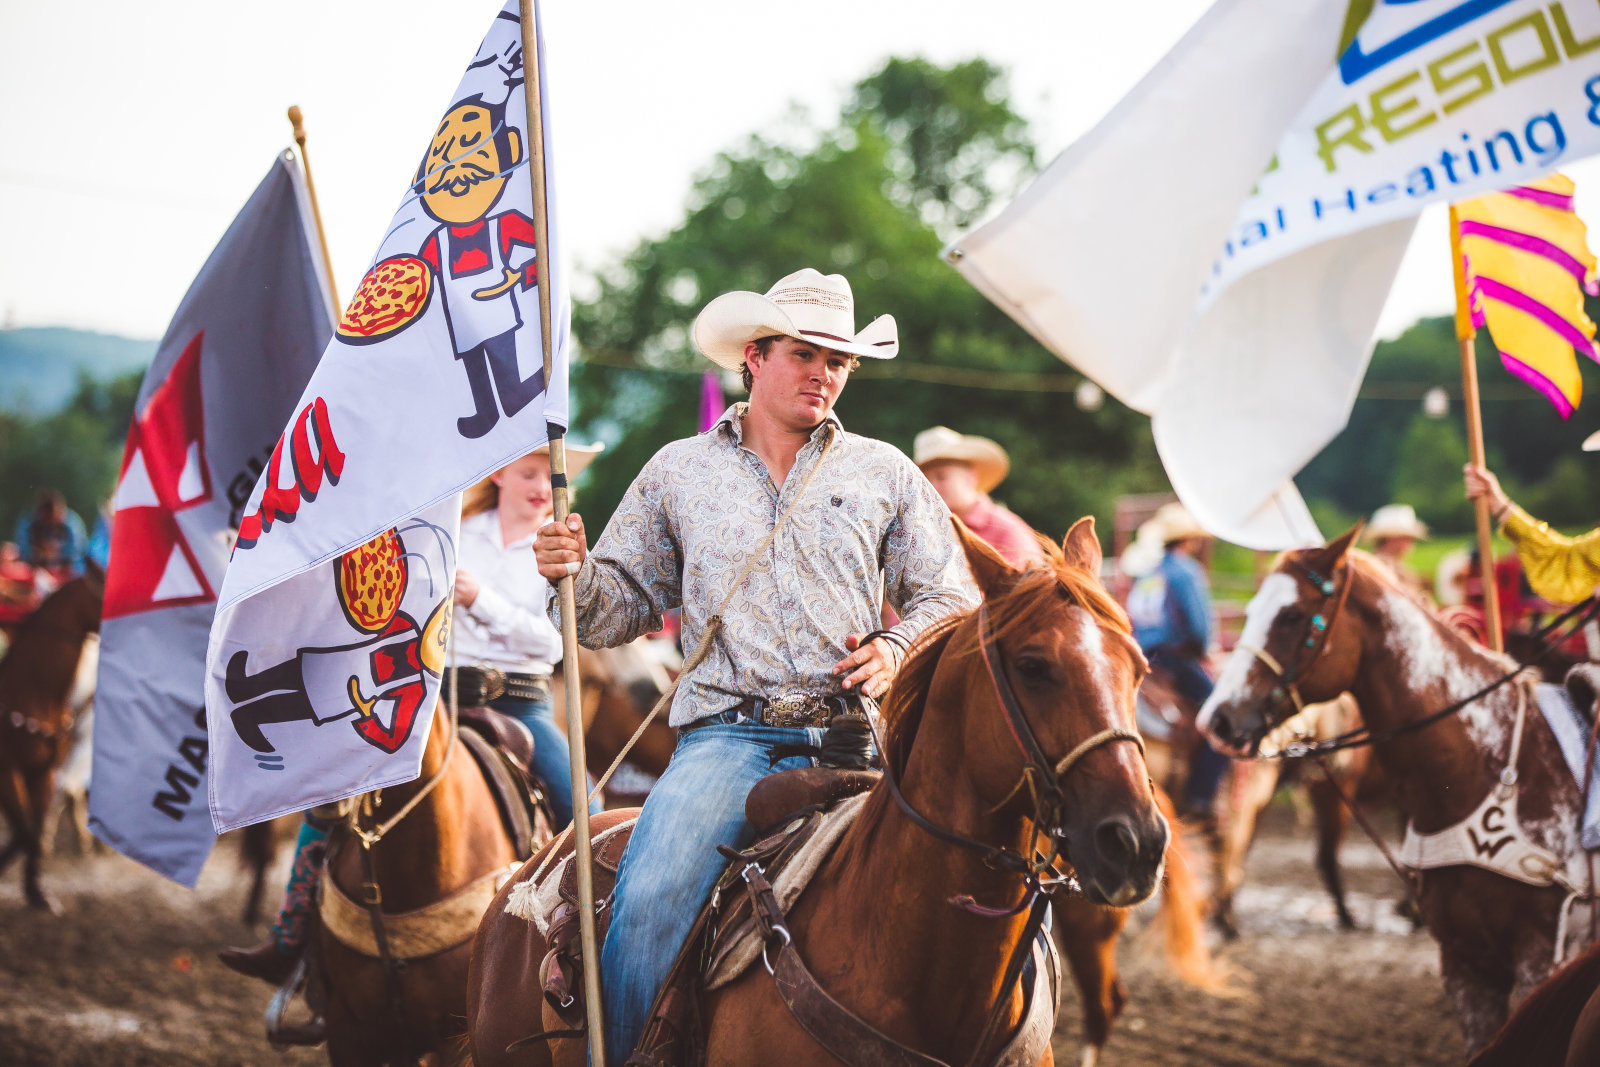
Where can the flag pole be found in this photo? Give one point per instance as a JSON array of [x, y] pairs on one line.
[[1469, 400], [295, 118], [562, 502]]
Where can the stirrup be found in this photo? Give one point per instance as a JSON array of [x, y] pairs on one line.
[[281, 1036]]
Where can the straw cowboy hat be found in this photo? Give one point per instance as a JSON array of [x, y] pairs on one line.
[[1396, 520], [942, 444], [1171, 522], [578, 457], [807, 305]]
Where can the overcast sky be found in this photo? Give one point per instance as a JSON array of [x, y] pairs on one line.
[[132, 133]]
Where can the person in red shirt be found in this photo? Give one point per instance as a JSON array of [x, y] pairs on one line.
[[964, 469]]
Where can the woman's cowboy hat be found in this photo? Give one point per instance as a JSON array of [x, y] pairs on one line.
[[807, 305], [1171, 522], [1396, 520], [942, 444], [578, 457]]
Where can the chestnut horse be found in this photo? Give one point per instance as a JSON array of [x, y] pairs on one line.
[[877, 924], [1331, 620], [36, 717], [450, 840]]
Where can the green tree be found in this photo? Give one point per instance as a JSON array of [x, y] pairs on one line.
[[918, 151], [77, 450], [1428, 473]]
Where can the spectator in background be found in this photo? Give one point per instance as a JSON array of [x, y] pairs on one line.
[[1394, 531], [51, 537], [99, 548], [1170, 607], [964, 470]]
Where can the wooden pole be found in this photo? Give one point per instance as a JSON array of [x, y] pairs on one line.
[[562, 502], [295, 117], [1469, 401]]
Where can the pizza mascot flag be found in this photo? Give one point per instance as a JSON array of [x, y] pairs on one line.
[[332, 629], [224, 380]]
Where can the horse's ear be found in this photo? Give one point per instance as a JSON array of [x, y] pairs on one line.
[[1327, 558], [989, 568], [1081, 547]]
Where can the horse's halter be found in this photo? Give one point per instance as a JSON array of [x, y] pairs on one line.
[[1040, 777], [1318, 641]]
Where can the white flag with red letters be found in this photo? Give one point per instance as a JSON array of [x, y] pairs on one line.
[[333, 621]]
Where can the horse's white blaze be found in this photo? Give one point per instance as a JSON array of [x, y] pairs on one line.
[[1277, 592]]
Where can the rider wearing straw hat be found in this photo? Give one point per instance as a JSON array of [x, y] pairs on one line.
[[965, 469], [1563, 570], [780, 534], [1393, 531]]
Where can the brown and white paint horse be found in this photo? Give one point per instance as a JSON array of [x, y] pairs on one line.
[[1330, 620]]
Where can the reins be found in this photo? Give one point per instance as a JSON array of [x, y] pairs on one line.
[[1578, 615]]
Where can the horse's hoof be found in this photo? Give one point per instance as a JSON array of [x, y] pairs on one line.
[[1346, 922], [1090, 1056]]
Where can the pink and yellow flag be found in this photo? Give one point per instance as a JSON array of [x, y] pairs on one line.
[[1528, 264]]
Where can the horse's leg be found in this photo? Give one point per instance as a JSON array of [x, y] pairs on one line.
[[1087, 934], [40, 790], [1481, 1003], [1332, 820], [14, 804]]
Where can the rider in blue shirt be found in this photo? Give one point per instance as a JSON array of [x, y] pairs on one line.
[[1170, 608]]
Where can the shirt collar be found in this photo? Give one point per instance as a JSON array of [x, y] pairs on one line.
[[981, 512], [733, 419], [486, 524]]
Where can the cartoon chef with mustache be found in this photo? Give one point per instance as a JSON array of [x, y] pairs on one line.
[[484, 261], [480, 261]]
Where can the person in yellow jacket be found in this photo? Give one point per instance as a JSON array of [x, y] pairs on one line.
[[1563, 570]]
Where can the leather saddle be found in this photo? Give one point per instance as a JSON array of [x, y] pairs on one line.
[[503, 749], [790, 801]]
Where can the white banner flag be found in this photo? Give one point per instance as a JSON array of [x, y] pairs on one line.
[[326, 654], [1260, 142]]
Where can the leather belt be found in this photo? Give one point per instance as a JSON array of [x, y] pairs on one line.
[[797, 709], [527, 686]]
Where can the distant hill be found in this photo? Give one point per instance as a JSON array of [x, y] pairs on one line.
[[39, 367]]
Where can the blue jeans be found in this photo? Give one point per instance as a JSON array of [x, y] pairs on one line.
[[1206, 766], [672, 862], [552, 758]]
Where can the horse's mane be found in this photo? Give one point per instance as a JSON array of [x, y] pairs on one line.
[[1373, 568], [1008, 608]]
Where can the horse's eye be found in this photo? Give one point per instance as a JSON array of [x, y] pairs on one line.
[[1292, 615], [1033, 668]]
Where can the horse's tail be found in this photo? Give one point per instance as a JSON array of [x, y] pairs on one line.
[[1541, 1027], [1182, 913]]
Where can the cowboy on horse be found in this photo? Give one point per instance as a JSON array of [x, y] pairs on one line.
[[780, 534]]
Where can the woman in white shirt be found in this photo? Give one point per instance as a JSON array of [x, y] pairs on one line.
[[500, 620]]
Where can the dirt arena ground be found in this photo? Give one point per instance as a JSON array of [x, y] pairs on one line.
[[127, 976]]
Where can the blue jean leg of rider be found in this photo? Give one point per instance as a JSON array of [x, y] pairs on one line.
[[1207, 766], [552, 759], [671, 861]]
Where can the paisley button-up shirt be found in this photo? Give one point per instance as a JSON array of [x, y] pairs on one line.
[[869, 528]]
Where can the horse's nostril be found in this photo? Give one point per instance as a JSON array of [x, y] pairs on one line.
[[1117, 842], [1221, 729]]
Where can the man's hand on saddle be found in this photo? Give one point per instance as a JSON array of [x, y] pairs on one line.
[[870, 666], [561, 548], [1481, 481]]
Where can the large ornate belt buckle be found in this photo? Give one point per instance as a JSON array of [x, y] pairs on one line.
[[794, 709]]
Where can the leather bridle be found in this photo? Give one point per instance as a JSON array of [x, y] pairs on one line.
[[1319, 641], [1040, 777]]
